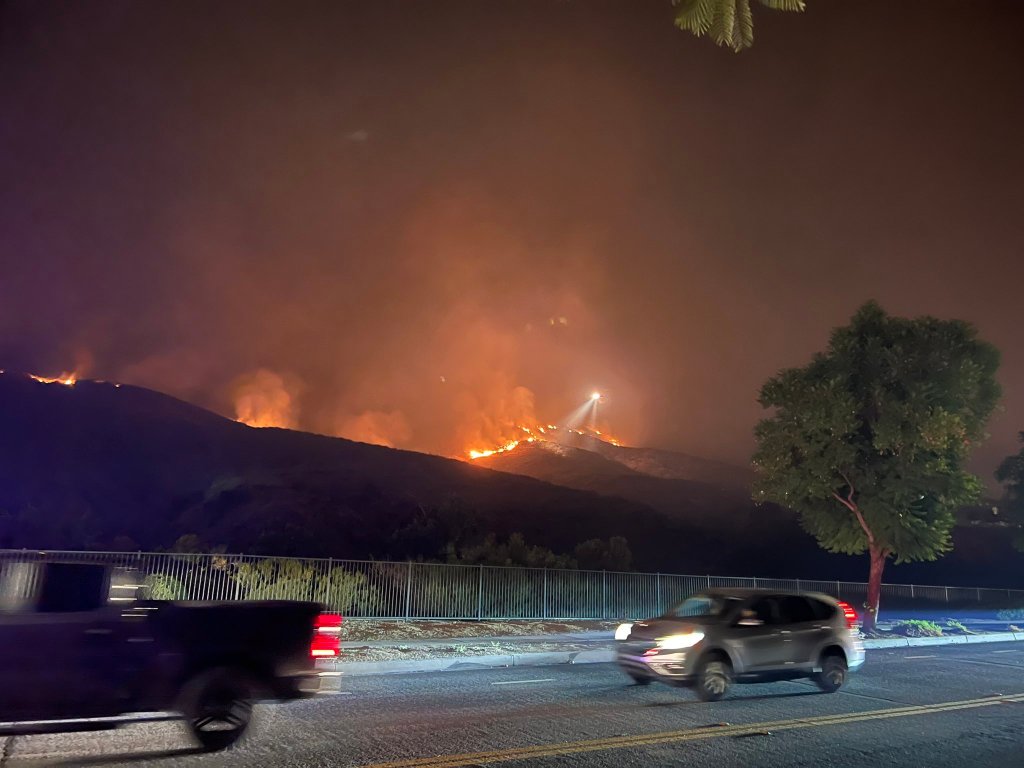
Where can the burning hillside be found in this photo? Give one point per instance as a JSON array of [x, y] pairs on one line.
[[67, 379], [550, 433], [581, 423]]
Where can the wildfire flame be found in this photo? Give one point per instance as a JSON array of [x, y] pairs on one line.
[[67, 379], [474, 454], [540, 434], [264, 399]]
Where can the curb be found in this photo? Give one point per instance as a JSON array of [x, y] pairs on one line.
[[337, 670], [914, 642]]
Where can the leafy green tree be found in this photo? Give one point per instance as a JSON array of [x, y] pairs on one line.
[[1011, 475], [727, 22], [867, 442]]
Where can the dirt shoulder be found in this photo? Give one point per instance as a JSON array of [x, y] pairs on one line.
[[354, 630]]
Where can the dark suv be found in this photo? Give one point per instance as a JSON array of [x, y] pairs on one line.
[[723, 636]]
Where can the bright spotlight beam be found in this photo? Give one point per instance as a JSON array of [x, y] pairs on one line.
[[596, 396]]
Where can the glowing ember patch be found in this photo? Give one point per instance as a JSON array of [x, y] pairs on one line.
[[67, 379]]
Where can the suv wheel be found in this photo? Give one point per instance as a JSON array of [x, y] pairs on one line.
[[714, 678], [832, 675], [639, 679]]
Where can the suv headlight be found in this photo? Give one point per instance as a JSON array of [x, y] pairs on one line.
[[622, 631], [675, 642]]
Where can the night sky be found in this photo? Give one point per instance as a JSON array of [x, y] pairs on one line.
[[420, 223]]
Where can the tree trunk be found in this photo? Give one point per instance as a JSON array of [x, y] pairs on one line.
[[878, 556]]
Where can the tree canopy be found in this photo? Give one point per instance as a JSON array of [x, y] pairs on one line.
[[1011, 475], [868, 441]]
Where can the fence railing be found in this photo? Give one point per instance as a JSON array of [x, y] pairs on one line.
[[408, 590]]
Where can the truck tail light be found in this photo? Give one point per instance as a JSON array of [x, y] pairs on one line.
[[326, 642], [849, 614]]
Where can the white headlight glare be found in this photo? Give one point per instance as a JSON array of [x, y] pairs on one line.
[[622, 632], [675, 642]]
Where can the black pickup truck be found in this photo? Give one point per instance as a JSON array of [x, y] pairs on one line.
[[81, 649]]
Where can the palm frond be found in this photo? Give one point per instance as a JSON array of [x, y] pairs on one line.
[[743, 26], [722, 26], [695, 16], [727, 22]]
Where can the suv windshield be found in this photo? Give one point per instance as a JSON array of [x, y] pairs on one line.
[[703, 607]]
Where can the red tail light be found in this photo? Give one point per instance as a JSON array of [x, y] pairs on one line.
[[326, 642], [849, 614]]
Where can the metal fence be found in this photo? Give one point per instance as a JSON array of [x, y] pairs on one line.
[[389, 590]]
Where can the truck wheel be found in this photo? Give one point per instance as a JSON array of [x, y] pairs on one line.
[[833, 673], [217, 705], [714, 677]]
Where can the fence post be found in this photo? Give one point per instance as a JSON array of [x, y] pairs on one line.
[[838, 596], [658, 582], [408, 591], [947, 593], [327, 584], [755, 582], [708, 577], [911, 591], [798, 585], [480, 595], [238, 582], [604, 594], [545, 593]]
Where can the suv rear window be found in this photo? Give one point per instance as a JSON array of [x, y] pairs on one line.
[[795, 610], [821, 609]]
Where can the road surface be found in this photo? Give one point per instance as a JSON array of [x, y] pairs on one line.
[[952, 705]]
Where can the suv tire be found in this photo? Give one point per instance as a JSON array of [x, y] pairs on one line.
[[833, 673], [714, 678]]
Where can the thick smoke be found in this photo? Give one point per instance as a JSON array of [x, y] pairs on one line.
[[442, 226], [387, 428], [264, 399]]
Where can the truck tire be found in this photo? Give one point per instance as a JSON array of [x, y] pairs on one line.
[[217, 705]]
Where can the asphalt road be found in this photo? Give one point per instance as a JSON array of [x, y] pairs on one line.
[[956, 705]]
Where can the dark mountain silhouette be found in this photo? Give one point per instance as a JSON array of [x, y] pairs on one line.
[[653, 462], [101, 466], [85, 465], [608, 470]]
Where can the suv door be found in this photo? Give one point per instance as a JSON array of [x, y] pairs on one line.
[[802, 631], [759, 645]]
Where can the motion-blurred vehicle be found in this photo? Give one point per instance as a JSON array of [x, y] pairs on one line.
[[81, 650], [722, 636]]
